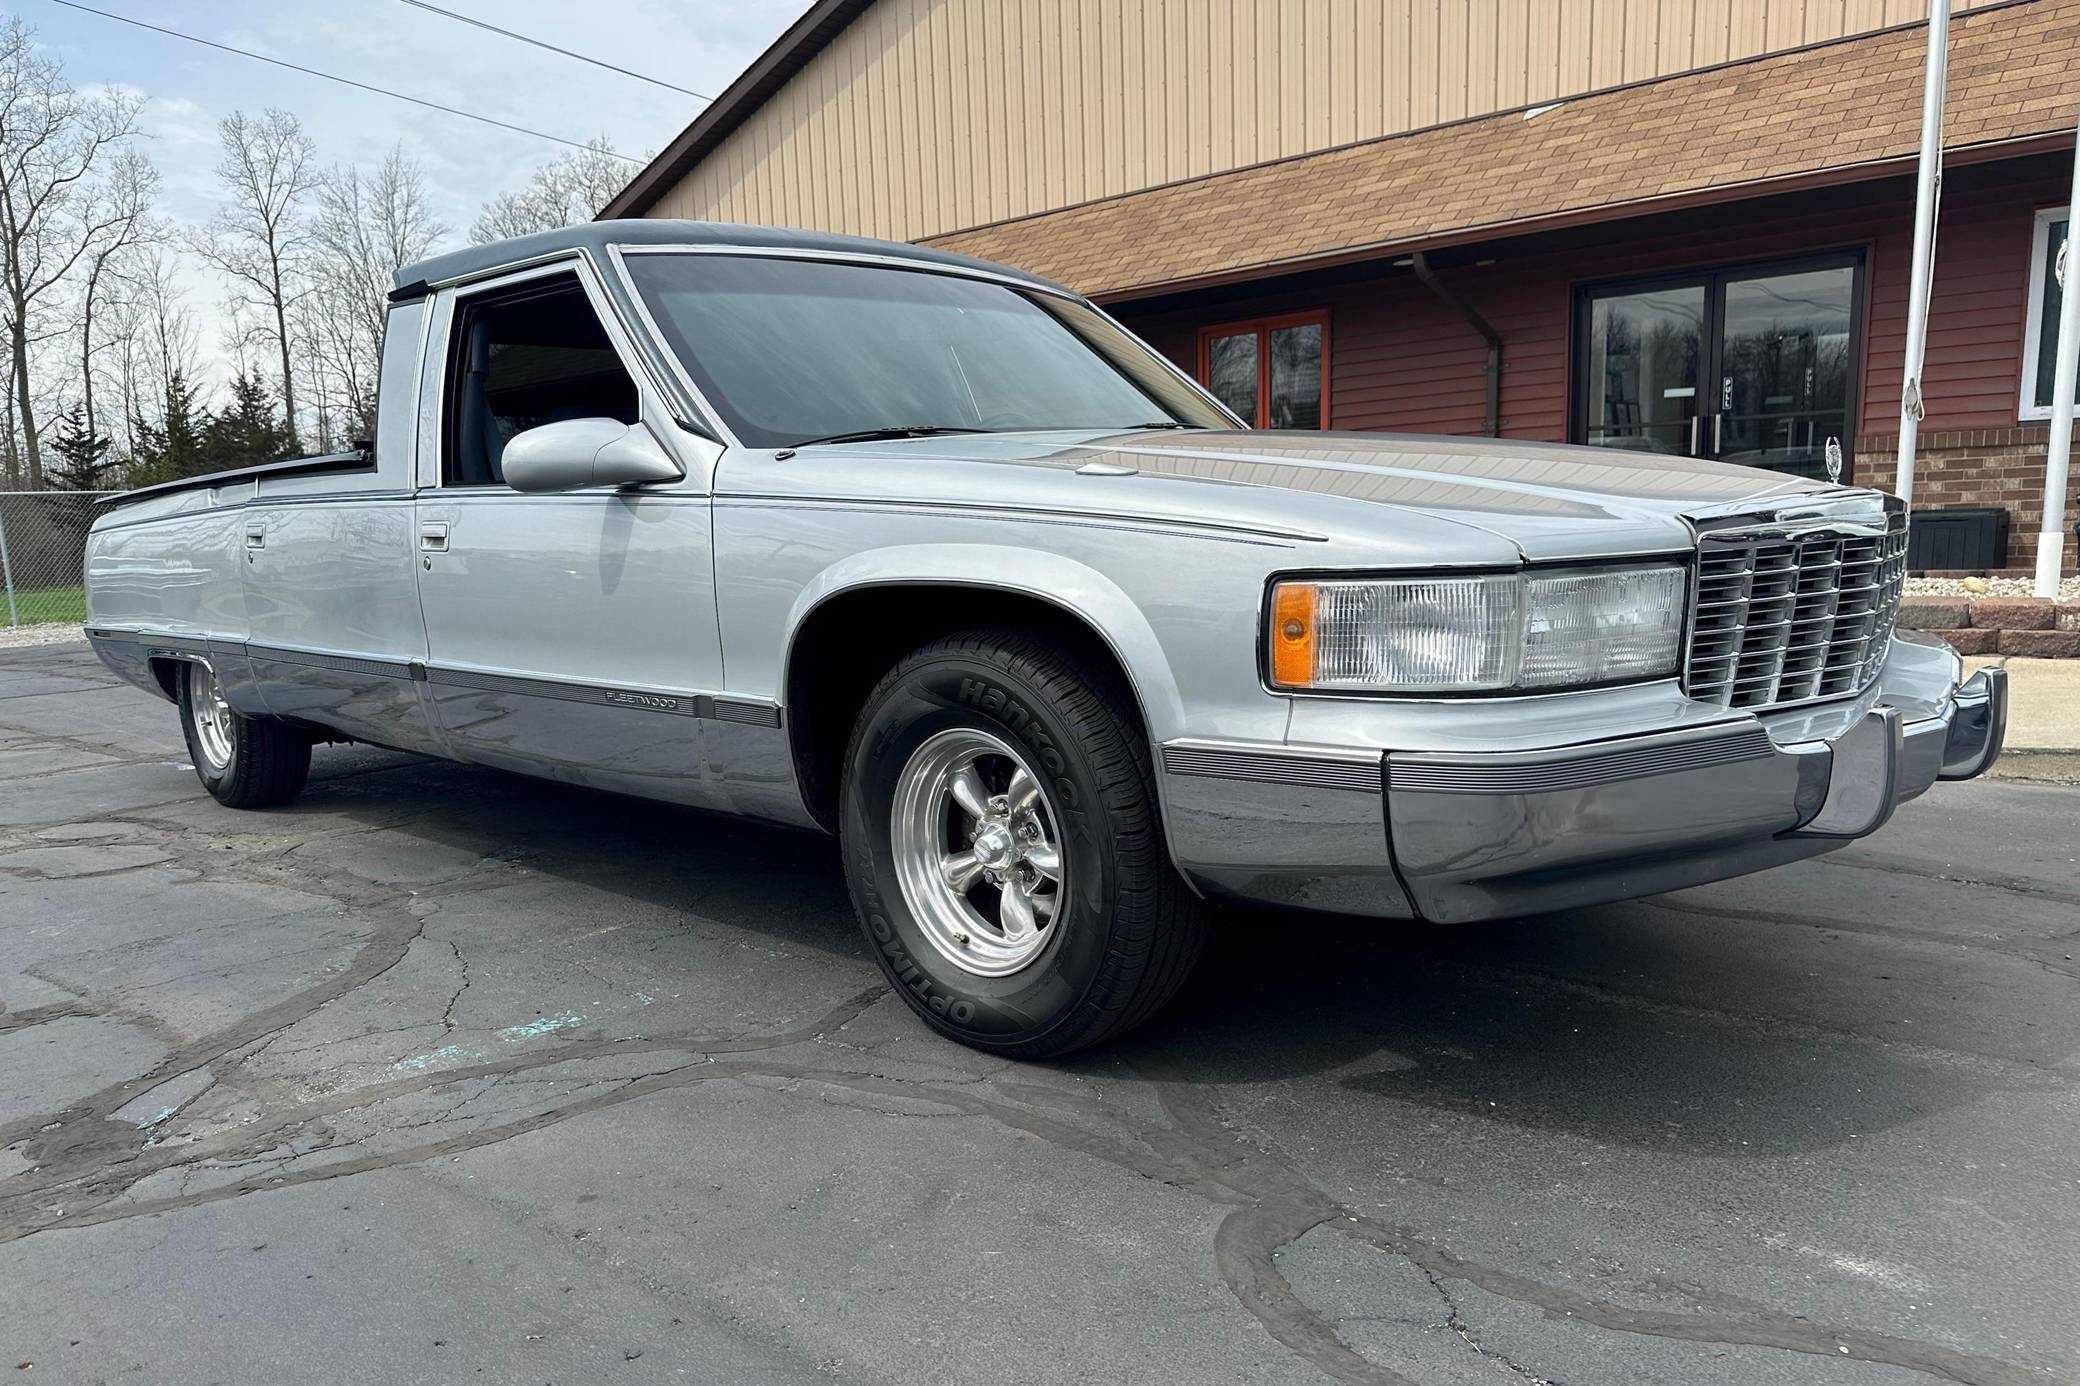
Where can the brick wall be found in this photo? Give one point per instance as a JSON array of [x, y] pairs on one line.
[[2001, 467]]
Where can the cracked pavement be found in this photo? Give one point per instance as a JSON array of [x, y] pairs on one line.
[[440, 1074]]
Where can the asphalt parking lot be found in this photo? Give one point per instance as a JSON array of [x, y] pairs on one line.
[[441, 1075]]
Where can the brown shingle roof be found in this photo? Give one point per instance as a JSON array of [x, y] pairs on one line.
[[1839, 112]]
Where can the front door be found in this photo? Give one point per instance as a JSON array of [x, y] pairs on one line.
[[569, 635], [1755, 365]]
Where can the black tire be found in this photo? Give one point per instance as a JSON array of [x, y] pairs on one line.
[[269, 760], [1127, 930]]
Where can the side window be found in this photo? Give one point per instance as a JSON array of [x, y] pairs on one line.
[[521, 359], [1270, 371]]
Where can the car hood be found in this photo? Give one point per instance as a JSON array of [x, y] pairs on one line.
[[1549, 500]]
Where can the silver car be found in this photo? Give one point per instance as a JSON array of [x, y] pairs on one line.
[[934, 556]]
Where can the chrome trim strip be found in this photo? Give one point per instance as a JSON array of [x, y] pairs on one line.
[[175, 645], [1053, 514], [338, 663], [747, 712], [1570, 768], [645, 700], [857, 257], [1360, 776]]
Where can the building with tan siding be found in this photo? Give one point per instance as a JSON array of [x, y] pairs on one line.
[[1665, 225]]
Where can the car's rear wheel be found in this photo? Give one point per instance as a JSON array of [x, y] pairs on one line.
[[244, 762], [1004, 851]]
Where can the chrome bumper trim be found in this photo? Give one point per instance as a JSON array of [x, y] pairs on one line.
[[1978, 728], [1301, 828], [1359, 773], [1864, 781], [1571, 767], [1462, 835]]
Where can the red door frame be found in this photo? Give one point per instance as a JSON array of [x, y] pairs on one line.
[[1263, 327]]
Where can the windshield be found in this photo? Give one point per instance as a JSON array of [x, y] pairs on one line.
[[792, 351]]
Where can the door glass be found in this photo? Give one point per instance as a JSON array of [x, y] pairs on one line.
[[2047, 316], [1296, 376], [535, 357], [1231, 373], [1642, 372], [1783, 381]]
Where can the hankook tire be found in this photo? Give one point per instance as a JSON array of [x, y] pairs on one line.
[[1003, 848], [244, 762]]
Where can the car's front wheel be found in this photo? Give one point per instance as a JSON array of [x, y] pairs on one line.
[[1004, 851], [245, 762]]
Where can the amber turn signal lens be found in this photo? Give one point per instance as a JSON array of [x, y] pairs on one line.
[[1292, 634]]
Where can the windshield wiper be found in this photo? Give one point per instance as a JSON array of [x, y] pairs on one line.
[[1166, 423], [876, 435]]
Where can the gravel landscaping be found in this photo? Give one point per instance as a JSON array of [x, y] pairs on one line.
[[21, 637], [2068, 590]]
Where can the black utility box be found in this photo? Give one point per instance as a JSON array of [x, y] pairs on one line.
[[1957, 540]]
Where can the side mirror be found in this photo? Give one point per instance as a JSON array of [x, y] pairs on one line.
[[575, 453]]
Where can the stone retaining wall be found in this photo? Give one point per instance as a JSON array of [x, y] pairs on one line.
[[2035, 626]]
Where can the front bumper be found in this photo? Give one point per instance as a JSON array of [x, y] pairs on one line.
[[1456, 835]]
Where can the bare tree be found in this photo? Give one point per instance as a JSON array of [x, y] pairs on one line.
[[124, 200], [157, 333], [569, 188], [259, 239], [369, 225], [51, 138]]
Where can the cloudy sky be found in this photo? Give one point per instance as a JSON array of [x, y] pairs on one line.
[[700, 44]]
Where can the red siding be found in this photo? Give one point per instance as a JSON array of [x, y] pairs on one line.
[[1403, 361]]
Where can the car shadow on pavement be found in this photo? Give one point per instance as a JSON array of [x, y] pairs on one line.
[[1613, 1025], [1616, 1025]]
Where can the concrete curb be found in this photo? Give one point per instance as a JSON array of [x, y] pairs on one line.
[[2043, 717], [2037, 767]]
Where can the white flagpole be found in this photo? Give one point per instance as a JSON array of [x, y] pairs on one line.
[[2051, 540], [1928, 194]]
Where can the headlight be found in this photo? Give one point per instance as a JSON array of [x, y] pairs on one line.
[[1537, 629]]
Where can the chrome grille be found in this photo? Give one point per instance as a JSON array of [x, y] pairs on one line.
[[1792, 616]]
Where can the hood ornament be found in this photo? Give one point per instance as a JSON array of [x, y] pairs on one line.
[[1834, 460]]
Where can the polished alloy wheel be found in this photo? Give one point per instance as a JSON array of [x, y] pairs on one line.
[[212, 716], [977, 852]]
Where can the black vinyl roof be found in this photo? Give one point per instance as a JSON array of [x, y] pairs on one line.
[[596, 236]]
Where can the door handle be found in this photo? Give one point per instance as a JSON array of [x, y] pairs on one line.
[[256, 538], [433, 537], [1696, 423], [1718, 422]]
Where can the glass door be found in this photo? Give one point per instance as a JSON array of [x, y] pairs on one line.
[[1754, 365], [1646, 353], [1784, 367]]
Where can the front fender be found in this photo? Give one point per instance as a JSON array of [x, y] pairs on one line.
[[1076, 588]]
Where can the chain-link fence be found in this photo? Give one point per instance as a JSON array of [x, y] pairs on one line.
[[43, 545]]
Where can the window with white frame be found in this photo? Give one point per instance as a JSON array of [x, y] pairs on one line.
[[2040, 343]]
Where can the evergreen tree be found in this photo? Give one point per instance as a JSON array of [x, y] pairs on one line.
[[171, 448], [83, 461], [79, 460], [244, 433]]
